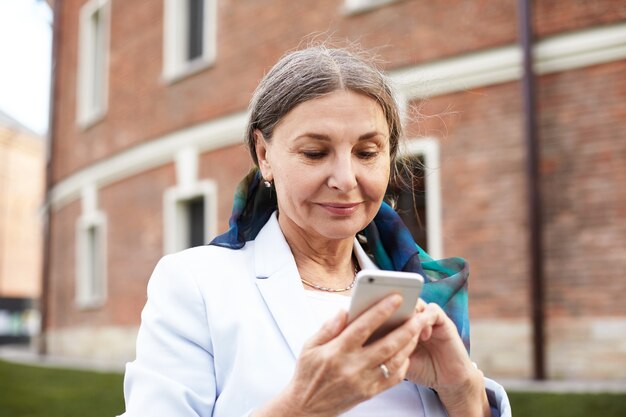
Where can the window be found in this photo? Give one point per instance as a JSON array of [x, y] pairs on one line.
[[190, 216], [411, 204], [195, 29], [93, 61], [189, 37], [195, 222], [91, 261], [421, 209]]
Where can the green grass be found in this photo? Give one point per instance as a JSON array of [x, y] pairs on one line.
[[30, 391], [529, 404]]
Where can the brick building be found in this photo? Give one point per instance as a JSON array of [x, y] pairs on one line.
[[149, 111], [22, 162], [22, 178]]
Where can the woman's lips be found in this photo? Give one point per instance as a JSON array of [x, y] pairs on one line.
[[340, 209]]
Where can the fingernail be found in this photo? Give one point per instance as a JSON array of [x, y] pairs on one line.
[[394, 301]]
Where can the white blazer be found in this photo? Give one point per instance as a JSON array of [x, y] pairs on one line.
[[221, 331]]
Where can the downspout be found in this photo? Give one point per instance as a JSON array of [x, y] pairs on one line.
[[533, 190], [47, 226]]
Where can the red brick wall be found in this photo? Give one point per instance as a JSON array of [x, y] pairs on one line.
[[62, 287], [483, 192], [134, 227], [227, 175], [134, 243], [64, 145], [582, 120], [582, 125], [134, 210], [251, 36], [551, 17]]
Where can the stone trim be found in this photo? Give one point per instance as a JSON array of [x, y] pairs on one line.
[[480, 69]]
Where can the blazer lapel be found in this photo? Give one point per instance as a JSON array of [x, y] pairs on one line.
[[279, 282]]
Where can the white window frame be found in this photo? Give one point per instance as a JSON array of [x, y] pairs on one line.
[[91, 291], [88, 112], [428, 149], [175, 63], [359, 6], [175, 214]]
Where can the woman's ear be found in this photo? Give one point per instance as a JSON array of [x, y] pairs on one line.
[[261, 149]]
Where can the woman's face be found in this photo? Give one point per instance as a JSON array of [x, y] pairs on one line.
[[329, 161]]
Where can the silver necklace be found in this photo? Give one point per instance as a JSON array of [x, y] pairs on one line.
[[328, 289]]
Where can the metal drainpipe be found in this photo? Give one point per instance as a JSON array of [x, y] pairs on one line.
[[533, 189], [47, 227]]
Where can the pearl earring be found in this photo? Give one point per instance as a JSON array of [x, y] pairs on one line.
[[267, 184]]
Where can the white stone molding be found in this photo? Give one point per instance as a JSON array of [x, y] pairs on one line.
[[459, 73], [580, 49], [428, 148], [499, 65], [93, 62], [205, 137], [558, 53], [175, 38], [175, 233], [91, 252], [359, 6]]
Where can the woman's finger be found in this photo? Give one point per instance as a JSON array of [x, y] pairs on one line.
[[420, 306], [435, 324], [426, 332], [359, 330], [396, 341], [433, 315], [395, 363], [393, 370]]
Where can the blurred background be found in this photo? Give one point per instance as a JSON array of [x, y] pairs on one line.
[[518, 122]]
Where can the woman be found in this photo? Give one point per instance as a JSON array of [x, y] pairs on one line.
[[255, 323]]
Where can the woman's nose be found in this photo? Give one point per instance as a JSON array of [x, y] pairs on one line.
[[342, 175]]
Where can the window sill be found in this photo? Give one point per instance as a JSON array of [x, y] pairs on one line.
[[90, 304], [365, 6], [87, 122], [188, 70]]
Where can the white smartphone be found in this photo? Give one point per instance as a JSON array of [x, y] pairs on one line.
[[373, 285]]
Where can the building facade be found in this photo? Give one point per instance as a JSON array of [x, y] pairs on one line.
[[147, 148], [22, 162], [22, 177]]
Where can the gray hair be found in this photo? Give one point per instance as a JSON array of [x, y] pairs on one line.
[[310, 73]]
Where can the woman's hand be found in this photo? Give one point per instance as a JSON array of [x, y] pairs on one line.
[[335, 371], [441, 362]]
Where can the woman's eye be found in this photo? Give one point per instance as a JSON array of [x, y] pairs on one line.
[[313, 154], [367, 154]]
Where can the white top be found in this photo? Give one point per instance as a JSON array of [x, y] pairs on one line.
[[402, 400]]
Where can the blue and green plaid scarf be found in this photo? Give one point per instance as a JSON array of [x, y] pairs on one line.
[[389, 242]]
